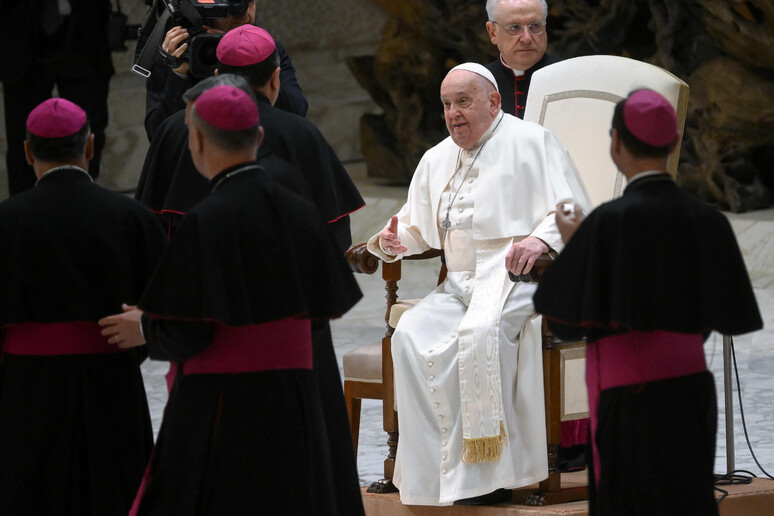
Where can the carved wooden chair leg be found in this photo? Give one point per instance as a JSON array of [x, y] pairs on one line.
[[385, 485], [389, 419], [353, 409]]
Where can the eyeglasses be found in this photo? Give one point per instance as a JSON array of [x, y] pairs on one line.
[[515, 29]]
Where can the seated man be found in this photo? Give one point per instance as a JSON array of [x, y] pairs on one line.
[[75, 433], [645, 278], [233, 300], [468, 372]]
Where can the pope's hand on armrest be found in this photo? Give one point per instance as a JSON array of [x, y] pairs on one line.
[[522, 255]]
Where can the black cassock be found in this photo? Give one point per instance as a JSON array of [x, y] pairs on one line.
[[75, 431], [251, 253], [655, 259], [514, 90], [170, 185], [165, 89]]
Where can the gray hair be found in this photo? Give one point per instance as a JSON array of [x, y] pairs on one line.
[[227, 79], [492, 4]]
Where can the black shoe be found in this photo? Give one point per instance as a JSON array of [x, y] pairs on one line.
[[493, 498], [572, 458]]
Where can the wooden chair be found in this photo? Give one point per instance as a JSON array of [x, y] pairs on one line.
[[368, 369], [574, 99], [368, 374]]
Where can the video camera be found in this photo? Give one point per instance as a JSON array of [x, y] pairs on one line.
[[191, 15]]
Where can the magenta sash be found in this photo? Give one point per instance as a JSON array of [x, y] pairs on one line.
[[59, 338], [638, 357], [283, 344]]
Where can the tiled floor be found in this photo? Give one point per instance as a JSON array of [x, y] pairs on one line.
[[364, 324]]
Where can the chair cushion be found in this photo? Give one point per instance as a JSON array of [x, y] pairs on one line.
[[364, 364], [399, 308]]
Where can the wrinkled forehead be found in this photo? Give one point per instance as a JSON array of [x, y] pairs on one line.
[[463, 82], [520, 11]]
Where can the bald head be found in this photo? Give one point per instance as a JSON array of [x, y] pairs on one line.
[[492, 6]]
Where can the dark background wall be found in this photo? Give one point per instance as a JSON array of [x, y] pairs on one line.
[[318, 34], [399, 50], [724, 50]]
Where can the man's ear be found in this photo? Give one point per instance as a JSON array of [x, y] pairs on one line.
[[196, 140], [275, 79], [615, 142], [88, 151], [490, 29], [674, 145], [495, 99], [259, 138], [28, 153], [615, 145]]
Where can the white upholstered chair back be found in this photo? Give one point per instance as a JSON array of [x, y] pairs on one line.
[[575, 98]]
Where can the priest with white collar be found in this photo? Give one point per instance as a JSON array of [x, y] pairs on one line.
[[468, 363], [518, 29]]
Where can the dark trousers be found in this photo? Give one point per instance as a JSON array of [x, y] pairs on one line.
[[77, 80]]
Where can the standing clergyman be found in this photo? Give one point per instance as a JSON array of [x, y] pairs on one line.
[[646, 278]]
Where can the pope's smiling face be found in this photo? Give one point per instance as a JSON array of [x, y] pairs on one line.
[[470, 104]]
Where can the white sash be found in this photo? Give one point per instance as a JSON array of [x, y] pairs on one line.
[[481, 393]]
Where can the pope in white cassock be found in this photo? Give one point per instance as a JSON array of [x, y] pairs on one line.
[[468, 362]]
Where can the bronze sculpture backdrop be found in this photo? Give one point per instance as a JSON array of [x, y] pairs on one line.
[[723, 49]]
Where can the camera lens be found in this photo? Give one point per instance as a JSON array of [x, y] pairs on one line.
[[237, 8], [204, 59]]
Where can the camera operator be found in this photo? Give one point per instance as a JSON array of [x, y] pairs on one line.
[[171, 74], [47, 43]]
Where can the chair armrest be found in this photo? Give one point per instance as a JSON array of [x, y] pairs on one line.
[[430, 253], [543, 261], [360, 259]]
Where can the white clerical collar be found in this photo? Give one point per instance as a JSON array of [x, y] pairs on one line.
[[492, 127], [645, 174], [516, 72], [488, 133], [63, 167]]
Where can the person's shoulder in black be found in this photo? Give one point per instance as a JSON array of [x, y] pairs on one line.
[[506, 83], [251, 236], [165, 88], [170, 185], [299, 142], [291, 96], [79, 250], [656, 258]]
